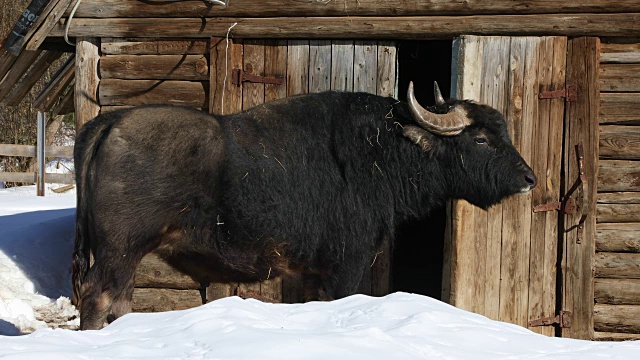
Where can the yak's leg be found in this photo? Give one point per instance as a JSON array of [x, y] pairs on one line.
[[344, 278], [313, 289]]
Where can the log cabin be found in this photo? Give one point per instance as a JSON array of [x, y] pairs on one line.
[[562, 261]]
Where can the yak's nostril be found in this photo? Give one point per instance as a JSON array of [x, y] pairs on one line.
[[531, 180]]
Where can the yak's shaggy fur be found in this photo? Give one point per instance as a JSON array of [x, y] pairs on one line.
[[308, 184]]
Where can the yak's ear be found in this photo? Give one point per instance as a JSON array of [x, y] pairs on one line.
[[419, 136]]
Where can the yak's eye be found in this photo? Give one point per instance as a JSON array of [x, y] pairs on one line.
[[481, 140]]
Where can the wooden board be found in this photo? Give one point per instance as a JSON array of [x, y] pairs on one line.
[[155, 300], [620, 53], [87, 80], [32, 178], [620, 142], [153, 272], [617, 291], [145, 92], [275, 64], [158, 67], [319, 66], [621, 237], [618, 213], [15, 73], [30, 150], [617, 318], [610, 336], [618, 175], [349, 27], [620, 108], [253, 63], [620, 77], [59, 82], [135, 46], [32, 76], [271, 8], [617, 265]]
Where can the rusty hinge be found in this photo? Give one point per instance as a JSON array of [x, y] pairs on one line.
[[563, 320], [569, 93], [565, 206], [238, 77]]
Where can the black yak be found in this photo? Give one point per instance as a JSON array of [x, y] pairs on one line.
[[311, 184]]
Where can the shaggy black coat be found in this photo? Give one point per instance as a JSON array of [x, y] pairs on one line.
[[309, 184]]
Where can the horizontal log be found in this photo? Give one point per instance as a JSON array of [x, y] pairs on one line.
[[617, 291], [155, 67], [610, 336], [349, 27], [153, 272], [30, 150], [22, 177], [156, 300], [271, 8], [145, 92], [119, 46], [618, 175], [617, 265], [620, 77], [617, 213], [620, 237], [620, 142], [620, 53], [619, 198], [620, 108], [617, 318]]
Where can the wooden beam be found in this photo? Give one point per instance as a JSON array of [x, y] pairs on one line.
[[31, 78], [31, 178], [153, 272], [19, 68], [272, 8], [349, 27], [30, 150], [617, 265], [620, 53], [617, 291], [49, 18], [611, 336], [619, 198], [620, 77], [136, 46], [56, 86], [618, 175], [620, 142], [615, 213], [620, 108], [33, 15], [617, 318], [618, 237], [146, 92], [158, 67], [87, 80], [156, 300]]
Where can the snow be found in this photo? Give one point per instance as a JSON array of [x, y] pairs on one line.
[[36, 241]]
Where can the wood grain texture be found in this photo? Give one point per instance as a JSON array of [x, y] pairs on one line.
[[24, 177], [342, 53], [611, 336], [60, 81], [319, 66], [620, 53], [253, 63], [156, 300], [155, 67], [618, 237], [617, 291], [617, 265], [275, 65], [136, 46], [30, 150], [348, 27], [146, 92], [87, 80], [620, 108], [620, 77], [153, 272], [617, 318], [33, 75], [616, 213], [620, 142], [15, 73], [618, 175]]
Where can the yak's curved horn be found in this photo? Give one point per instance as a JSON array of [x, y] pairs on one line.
[[449, 124], [437, 94]]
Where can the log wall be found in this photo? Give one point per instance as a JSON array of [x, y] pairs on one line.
[[617, 259]]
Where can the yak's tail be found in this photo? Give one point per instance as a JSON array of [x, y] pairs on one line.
[[88, 141]]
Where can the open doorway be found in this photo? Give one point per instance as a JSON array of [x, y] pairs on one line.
[[418, 254]]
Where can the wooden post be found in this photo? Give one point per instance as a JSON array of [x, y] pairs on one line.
[[87, 80], [42, 120]]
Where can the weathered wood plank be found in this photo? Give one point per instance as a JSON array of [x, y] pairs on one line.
[[620, 142], [618, 175], [30, 150], [87, 80], [298, 67], [387, 59], [29, 21], [611, 336], [145, 92], [60, 81], [319, 66], [620, 108], [619, 198], [617, 265], [620, 53], [135, 46], [19, 68], [617, 291], [275, 64], [615, 213], [581, 122], [32, 76], [410, 27], [617, 318], [253, 93], [153, 272], [271, 8], [31, 178], [47, 20], [155, 67], [620, 78], [342, 65], [618, 237], [156, 300], [365, 59]]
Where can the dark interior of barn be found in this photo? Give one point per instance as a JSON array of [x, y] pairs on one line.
[[418, 253]]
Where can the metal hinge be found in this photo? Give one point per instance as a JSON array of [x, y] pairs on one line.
[[563, 320], [238, 77], [565, 206], [570, 93]]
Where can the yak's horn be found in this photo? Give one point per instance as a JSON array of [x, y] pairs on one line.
[[449, 124], [437, 94]]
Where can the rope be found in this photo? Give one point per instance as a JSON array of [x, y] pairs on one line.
[[226, 66]]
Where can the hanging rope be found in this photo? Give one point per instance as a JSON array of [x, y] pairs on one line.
[[226, 67]]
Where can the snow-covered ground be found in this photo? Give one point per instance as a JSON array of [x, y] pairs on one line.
[[36, 240]]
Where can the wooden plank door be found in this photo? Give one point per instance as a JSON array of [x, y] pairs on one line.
[[307, 67], [502, 262]]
